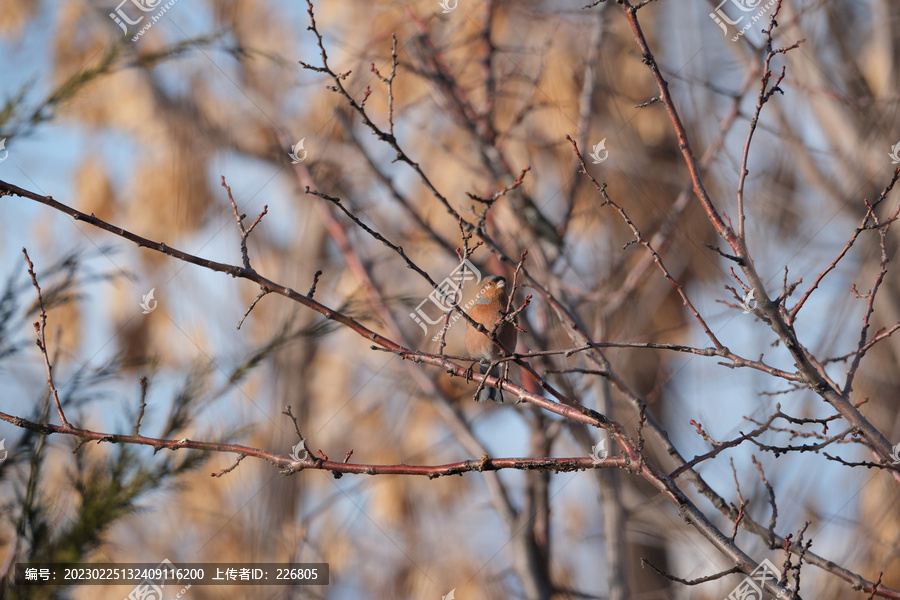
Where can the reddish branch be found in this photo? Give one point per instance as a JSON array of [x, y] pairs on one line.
[[342, 466]]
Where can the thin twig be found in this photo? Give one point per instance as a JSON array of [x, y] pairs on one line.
[[245, 232], [697, 581], [137, 423], [40, 328], [231, 468], [247, 312]]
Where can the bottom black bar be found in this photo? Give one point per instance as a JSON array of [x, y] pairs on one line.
[[155, 577]]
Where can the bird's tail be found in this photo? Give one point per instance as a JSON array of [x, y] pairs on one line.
[[489, 393]]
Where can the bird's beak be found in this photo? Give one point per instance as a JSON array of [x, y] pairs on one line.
[[501, 284]]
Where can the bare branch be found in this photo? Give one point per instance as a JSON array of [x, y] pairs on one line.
[[40, 328], [245, 232]]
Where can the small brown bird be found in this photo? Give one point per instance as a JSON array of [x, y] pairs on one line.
[[492, 300]]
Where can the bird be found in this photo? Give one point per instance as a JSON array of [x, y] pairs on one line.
[[488, 309]]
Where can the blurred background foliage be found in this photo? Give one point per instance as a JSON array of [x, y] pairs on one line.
[[140, 135]]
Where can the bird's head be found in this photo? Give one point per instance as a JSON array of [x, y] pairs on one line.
[[492, 287]]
